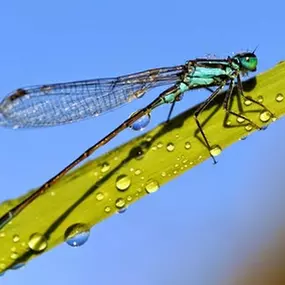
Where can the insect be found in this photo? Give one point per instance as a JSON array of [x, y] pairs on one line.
[[54, 104]]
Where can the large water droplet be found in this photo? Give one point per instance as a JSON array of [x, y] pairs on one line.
[[264, 116], [151, 186], [215, 150], [141, 123], [170, 147], [37, 242], [279, 97], [123, 182], [77, 234]]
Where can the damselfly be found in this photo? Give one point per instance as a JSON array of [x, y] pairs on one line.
[[54, 104]]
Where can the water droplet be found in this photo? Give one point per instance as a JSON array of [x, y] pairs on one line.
[[14, 249], [265, 116], [120, 203], [163, 173], [18, 266], [138, 172], [107, 209], [154, 148], [240, 120], [215, 150], [248, 127], [100, 196], [16, 238], [187, 145], [123, 182], [37, 242], [247, 102], [105, 167], [14, 255], [139, 153], [170, 147], [260, 99], [148, 138], [129, 198], [151, 186], [228, 123], [243, 138], [159, 144], [141, 123], [279, 97], [2, 234], [77, 234]]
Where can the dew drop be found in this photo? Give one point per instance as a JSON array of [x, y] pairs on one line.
[[107, 209], [138, 172], [248, 127], [215, 150], [16, 238], [141, 123], [14, 255], [37, 242], [240, 120], [100, 196], [279, 97], [163, 174], [228, 123], [129, 198], [159, 144], [120, 203], [105, 167], [170, 147], [187, 145], [154, 148], [123, 182], [264, 116], [77, 234], [247, 102], [2, 234], [151, 186], [260, 99]]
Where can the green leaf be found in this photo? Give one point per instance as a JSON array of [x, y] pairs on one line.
[[135, 169]]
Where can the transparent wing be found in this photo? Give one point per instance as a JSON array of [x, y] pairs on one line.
[[54, 104]]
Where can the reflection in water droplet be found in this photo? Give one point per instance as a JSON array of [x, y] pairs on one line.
[[187, 145], [247, 102], [260, 99], [139, 153], [240, 120], [105, 167], [129, 198], [120, 203], [77, 234], [122, 210], [279, 97], [215, 150], [107, 209], [141, 123], [100, 196], [151, 186], [123, 182], [248, 127], [18, 266], [37, 242], [163, 173], [264, 116], [170, 147]]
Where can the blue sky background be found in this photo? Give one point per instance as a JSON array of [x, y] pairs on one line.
[[227, 218]]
